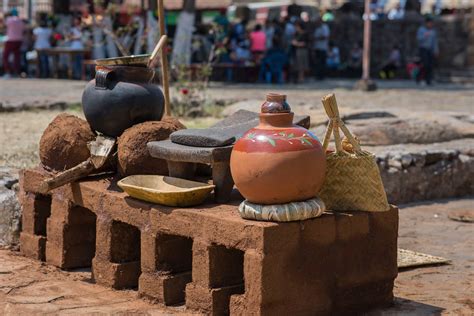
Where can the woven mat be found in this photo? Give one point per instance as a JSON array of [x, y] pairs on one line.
[[412, 259]]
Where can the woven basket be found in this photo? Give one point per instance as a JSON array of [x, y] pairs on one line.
[[353, 181]]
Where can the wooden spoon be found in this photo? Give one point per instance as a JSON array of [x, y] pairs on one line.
[[153, 61]]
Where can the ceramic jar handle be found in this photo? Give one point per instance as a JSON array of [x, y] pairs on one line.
[[102, 75]]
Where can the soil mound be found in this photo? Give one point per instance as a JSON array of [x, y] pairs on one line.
[[133, 156], [64, 142]]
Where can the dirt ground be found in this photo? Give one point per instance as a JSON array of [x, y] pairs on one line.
[[29, 287]]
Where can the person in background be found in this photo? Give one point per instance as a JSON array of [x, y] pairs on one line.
[[294, 10], [270, 31], [392, 64], [428, 47], [273, 63], [396, 13], [328, 16], [43, 36], [415, 69], [15, 28], [26, 46], [289, 32], [320, 48], [334, 58], [258, 41], [354, 64], [222, 21], [75, 38], [300, 62]]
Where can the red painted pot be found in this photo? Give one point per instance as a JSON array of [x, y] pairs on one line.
[[278, 162]]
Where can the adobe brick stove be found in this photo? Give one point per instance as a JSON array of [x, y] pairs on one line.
[[208, 257]]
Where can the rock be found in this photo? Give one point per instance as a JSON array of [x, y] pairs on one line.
[[8, 177], [418, 130], [394, 163], [10, 217], [419, 159], [10, 213], [211, 137], [133, 155], [406, 160], [64, 142]]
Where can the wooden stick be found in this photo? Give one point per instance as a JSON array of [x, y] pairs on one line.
[[81, 170], [164, 59], [100, 149], [152, 62]]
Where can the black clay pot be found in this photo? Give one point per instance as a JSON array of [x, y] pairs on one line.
[[120, 97]]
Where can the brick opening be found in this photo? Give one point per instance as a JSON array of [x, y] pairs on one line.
[[42, 211], [84, 221], [226, 267], [125, 243], [174, 254]]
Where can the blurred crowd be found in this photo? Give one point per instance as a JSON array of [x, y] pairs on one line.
[[289, 48], [286, 49], [25, 43]]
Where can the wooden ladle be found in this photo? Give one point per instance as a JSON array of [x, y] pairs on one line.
[[153, 61]]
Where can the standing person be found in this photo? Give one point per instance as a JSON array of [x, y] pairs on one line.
[[76, 43], [42, 36], [428, 46], [320, 48], [15, 29], [301, 55], [270, 28], [258, 41]]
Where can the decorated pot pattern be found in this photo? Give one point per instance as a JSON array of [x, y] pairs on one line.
[[277, 140]]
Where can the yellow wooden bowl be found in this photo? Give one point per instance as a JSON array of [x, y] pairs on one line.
[[166, 190]]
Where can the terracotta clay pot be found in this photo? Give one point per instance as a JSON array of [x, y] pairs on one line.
[[278, 162]]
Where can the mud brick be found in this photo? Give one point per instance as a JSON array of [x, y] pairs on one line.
[[148, 250], [351, 225], [33, 246], [31, 179], [383, 238], [355, 300], [167, 289], [69, 257], [63, 210], [116, 275], [35, 211], [71, 235], [215, 301], [216, 262]]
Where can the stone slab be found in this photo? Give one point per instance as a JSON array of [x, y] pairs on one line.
[[168, 150], [227, 131]]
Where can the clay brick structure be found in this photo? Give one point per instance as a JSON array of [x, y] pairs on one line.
[[207, 257]]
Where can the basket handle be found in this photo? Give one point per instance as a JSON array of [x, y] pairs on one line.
[[335, 123]]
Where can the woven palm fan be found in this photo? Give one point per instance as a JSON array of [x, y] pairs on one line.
[[353, 181]]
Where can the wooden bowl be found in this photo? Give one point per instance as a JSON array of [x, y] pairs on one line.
[[166, 190]]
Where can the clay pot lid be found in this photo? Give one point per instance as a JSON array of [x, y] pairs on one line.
[[275, 103]]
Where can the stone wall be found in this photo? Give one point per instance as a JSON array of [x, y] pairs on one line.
[[453, 38], [422, 172]]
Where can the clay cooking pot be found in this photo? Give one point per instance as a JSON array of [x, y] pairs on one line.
[[120, 97], [278, 162]]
